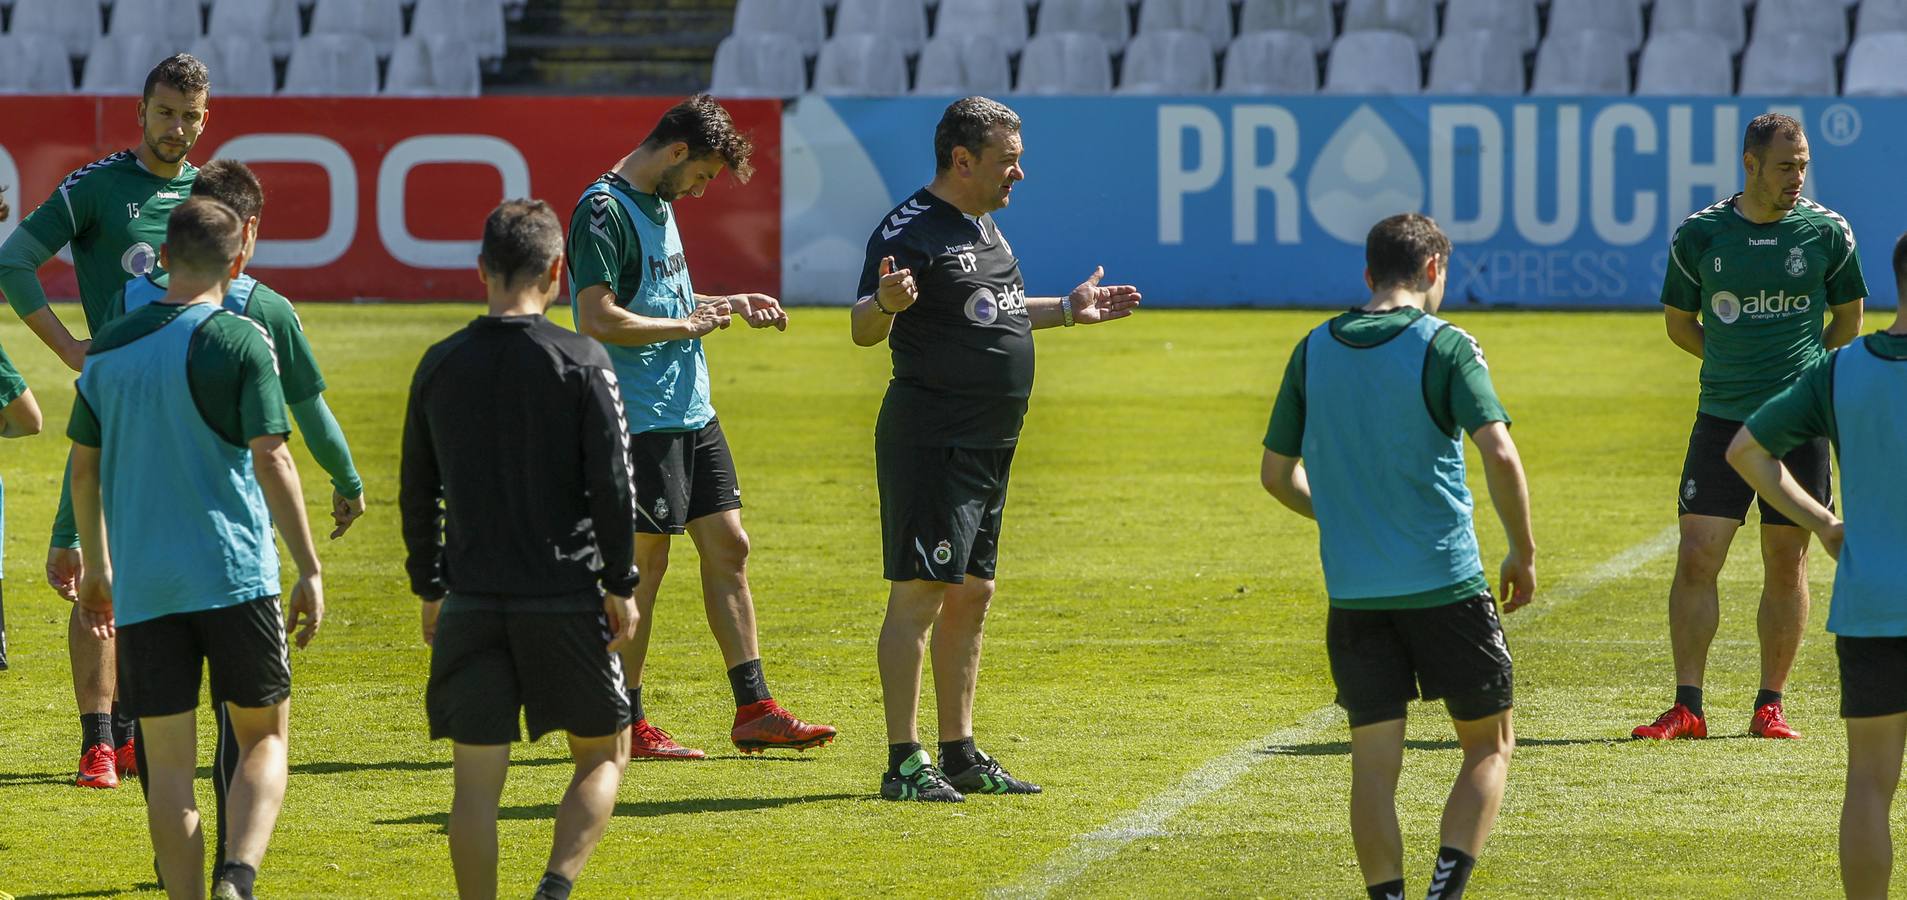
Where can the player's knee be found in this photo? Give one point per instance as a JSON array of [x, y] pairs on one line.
[[1698, 559]]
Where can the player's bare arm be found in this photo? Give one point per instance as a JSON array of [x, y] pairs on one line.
[[95, 590], [1685, 329], [757, 310], [6, 212], [278, 476], [1510, 494], [873, 315], [21, 418], [1284, 479], [1089, 304], [1844, 323], [1776, 484], [599, 315]]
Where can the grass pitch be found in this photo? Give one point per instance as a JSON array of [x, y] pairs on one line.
[[1159, 629]]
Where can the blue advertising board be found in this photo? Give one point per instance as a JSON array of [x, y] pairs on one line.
[[1223, 201]]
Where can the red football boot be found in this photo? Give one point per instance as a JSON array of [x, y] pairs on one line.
[[96, 768], [1769, 723], [764, 725], [126, 759], [1678, 722], [649, 742]]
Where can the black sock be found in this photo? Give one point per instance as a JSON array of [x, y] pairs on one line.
[[748, 684], [635, 703], [1691, 697], [238, 875], [1764, 697], [95, 728], [1389, 890], [958, 756], [122, 726], [1452, 873], [898, 753], [553, 887]]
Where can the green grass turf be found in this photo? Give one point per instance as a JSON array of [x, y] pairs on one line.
[[1156, 611]]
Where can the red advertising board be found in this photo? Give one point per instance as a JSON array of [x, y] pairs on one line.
[[380, 198]]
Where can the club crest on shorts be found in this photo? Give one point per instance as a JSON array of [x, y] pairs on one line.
[[662, 507], [1688, 490], [943, 553], [1797, 264]]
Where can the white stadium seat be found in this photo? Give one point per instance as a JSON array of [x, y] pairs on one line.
[[1004, 19], [1168, 62], [29, 65], [273, 21], [1065, 63], [1787, 65], [433, 66], [241, 67], [1373, 62], [172, 23], [1802, 17], [1472, 62], [477, 22], [901, 21], [1881, 17], [1686, 63], [1416, 18], [759, 65], [1514, 19], [963, 65], [331, 65], [802, 20], [860, 65], [1212, 18], [1311, 18], [1877, 66], [1580, 62], [1270, 62], [377, 21], [1105, 18], [120, 63], [1618, 21], [1721, 18], [73, 23]]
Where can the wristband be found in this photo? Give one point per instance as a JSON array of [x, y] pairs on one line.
[[1066, 311], [877, 305]]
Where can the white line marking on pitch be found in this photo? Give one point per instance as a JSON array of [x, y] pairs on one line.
[[1089, 849]]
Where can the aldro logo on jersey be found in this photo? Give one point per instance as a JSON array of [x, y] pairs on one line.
[[985, 307], [1764, 305]]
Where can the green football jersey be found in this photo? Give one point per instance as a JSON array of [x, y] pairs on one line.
[[1762, 290], [113, 212]]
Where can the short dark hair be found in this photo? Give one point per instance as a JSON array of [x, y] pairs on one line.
[[1397, 248], [1900, 261], [970, 122], [709, 130], [232, 183], [203, 236], [520, 240], [182, 72], [1763, 128]]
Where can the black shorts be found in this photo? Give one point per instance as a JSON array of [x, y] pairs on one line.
[[941, 509], [1379, 657], [160, 660], [1712, 487], [486, 665], [1873, 676], [682, 476]]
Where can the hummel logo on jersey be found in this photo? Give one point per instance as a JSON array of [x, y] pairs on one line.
[[599, 215], [84, 170], [674, 265], [1764, 242], [901, 217]]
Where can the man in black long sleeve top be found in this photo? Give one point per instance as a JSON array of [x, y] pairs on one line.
[[520, 542]]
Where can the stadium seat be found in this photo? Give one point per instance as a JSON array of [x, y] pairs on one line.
[[1787, 65], [1065, 63], [1877, 66], [241, 67], [1686, 62], [119, 64], [170, 22], [1515, 19], [377, 21], [1802, 17], [1270, 62], [901, 21], [1212, 18], [477, 22], [963, 65], [860, 65], [799, 19], [1619, 22], [1311, 18], [1168, 62], [331, 65], [1881, 17], [759, 65], [1105, 18], [1373, 62], [1416, 18], [29, 65], [1005, 20], [274, 22], [1721, 18], [433, 66], [74, 23], [1473, 62], [1579, 62]]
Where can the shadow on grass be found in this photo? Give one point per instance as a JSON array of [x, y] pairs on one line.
[[102, 892], [396, 765], [637, 810], [23, 779], [1343, 748]]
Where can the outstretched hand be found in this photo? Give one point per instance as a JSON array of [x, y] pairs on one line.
[[897, 290], [759, 311], [1094, 303]]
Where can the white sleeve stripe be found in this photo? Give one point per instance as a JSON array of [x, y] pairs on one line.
[[1677, 257]]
